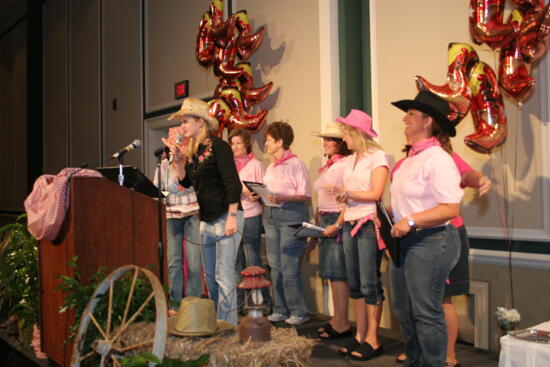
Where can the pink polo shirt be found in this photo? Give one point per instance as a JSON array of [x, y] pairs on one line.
[[424, 181], [252, 171], [357, 177], [332, 176], [288, 178]]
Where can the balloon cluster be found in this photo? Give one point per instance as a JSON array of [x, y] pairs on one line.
[[472, 85], [219, 43], [522, 40]]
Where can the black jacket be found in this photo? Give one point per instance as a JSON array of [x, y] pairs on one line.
[[215, 179]]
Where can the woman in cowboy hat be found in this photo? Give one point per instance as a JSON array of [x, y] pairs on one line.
[[332, 265], [425, 196], [209, 167], [364, 178]]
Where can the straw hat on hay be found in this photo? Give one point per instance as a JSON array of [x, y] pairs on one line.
[[196, 107], [196, 317]]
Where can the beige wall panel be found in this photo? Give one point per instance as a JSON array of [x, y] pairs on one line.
[[13, 117], [55, 86], [413, 42], [171, 27], [122, 83], [84, 82], [289, 57]]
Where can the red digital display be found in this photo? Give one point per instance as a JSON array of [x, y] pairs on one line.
[[181, 89]]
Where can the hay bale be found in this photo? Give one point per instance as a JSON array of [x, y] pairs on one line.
[[286, 348]]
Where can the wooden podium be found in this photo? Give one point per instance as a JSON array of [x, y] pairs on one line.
[[106, 225]]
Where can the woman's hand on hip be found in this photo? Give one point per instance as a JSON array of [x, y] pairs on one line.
[[230, 225], [400, 228]]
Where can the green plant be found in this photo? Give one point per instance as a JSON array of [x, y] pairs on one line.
[[19, 273], [144, 359]]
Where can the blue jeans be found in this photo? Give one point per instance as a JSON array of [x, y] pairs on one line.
[[332, 263], [252, 241], [426, 257], [176, 229], [363, 259], [283, 255], [219, 256]]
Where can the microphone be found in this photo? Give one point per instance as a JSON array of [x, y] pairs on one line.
[[135, 144], [179, 138]]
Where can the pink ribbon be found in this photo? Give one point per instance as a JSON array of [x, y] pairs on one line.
[[361, 222], [286, 156]]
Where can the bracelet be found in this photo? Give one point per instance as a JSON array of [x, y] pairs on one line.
[[232, 214]]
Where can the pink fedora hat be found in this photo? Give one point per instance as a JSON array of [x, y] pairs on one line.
[[359, 120]]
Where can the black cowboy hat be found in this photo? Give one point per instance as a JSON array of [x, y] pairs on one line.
[[432, 105]]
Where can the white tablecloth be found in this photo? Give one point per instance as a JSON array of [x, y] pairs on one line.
[[521, 353]]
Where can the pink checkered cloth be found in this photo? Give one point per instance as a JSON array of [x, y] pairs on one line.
[[47, 204]]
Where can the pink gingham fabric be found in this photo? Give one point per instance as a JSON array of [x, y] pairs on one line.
[[47, 204]]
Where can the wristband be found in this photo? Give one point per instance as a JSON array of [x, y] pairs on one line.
[[232, 214]]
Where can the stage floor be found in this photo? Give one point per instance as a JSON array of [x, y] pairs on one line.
[[326, 351]]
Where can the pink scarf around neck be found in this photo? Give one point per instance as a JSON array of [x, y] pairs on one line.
[[420, 146], [240, 162], [286, 156], [335, 158]]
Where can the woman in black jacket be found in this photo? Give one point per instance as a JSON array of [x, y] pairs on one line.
[[209, 167]]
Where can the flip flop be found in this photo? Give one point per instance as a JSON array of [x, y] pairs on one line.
[[333, 334], [367, 352], [398, 359], [350, 347]]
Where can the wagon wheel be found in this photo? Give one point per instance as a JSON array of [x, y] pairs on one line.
[[98, 343]]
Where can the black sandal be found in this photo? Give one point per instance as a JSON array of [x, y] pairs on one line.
[[333, 334], [367, 352], [350, 347]]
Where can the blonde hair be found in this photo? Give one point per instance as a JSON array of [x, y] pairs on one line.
[[365, 142], [203, 134]]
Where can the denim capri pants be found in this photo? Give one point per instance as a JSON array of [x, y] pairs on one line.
[[332, 263], [363, 259]]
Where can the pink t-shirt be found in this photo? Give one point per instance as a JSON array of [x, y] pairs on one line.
[[332, 176], [288, 178], [252, 171], [424, 181], [357, 177]]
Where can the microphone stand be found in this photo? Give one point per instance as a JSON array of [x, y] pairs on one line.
[[120, 170], [161, 239]]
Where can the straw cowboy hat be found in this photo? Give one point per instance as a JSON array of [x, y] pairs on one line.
[[196, 317], [432, 105], [331, 130], [196, 107], [359, 120]]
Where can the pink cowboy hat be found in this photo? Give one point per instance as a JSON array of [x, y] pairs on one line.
[[359, 120]]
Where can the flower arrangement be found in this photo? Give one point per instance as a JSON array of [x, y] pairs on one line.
[[508, 319]]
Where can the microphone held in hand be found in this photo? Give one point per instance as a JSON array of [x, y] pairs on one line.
[[135, 144], [179, 138]]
